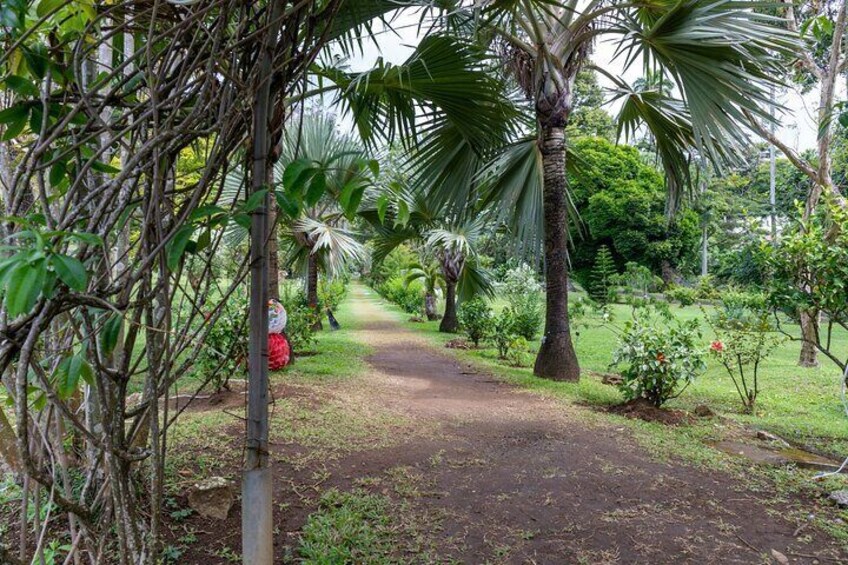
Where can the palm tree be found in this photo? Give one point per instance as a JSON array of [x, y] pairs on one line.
[[431, 275], [451, 239], [719, 57]]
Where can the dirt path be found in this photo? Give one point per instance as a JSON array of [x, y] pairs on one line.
[[517, 478]]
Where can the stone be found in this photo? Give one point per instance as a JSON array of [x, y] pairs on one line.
[[779, 557], [776, 457], [704, 411], [212, 498], [768, 436], [840, 497]]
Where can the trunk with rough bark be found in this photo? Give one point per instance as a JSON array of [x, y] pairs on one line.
[[273, 251], [430, 306], [556, 359], [450, 323], [809, 331], [312, 290]]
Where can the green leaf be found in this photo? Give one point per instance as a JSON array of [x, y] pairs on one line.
[[176, 247], [71, 271], [374, 165], [110, 332], [23, 286], [316, 188], [403, 213], [57, 173], [15, 128], [287, 204], [102, 167], [203, 241], [14, 114], [295, 175], [382, 206], [89, 238], [22, 86], [255, 200], [48, 6]]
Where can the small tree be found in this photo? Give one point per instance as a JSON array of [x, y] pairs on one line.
[[602, 282], [743, 342]]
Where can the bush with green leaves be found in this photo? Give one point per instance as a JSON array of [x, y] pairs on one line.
[[224, 352], [683, 295], [707, 289], [331, 292], [409, 295], [301, 324], [659, 357], [523, 292], [638, 280], [475, 318], [503, 332]]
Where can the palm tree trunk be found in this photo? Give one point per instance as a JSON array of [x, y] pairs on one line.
[[312, 289], [556, 359], [273, 251], [430, 306], [450, 323]]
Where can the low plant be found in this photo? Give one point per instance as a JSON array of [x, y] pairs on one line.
[[301, 324], [331, 293], [523, 292], [706, 288], [503, 332], [683, 295], [517, 352], [659, 358], [408, 295], [475, 318], [224, 351]]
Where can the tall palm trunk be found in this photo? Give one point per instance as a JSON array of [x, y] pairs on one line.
[[450, 323], [556, 359], [312, 289]]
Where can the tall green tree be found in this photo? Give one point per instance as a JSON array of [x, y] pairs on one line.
[[720, 57]]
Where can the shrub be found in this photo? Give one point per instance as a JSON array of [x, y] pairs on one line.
[[638, 280], [706, 288], [524, 293], [300, 328], [659, 360], [517, 353], [224, 352], [475, 317], [602, 287], [408, 296], [745, 336], [331, 293], [503, 332], [683, 295]]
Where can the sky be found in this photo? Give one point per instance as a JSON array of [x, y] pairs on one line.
[[798, 131]]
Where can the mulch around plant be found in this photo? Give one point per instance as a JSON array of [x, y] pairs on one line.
[[641, 409]]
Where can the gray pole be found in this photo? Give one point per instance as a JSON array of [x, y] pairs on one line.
[[257, 490], [772, 180], [705, 226]]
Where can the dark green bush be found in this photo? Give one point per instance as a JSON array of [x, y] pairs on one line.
[[475, 317]]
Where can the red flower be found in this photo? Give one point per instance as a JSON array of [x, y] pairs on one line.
[[660, 357], [717, 346]]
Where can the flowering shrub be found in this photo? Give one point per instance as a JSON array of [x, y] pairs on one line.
[[746, 336], [659, 361]]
